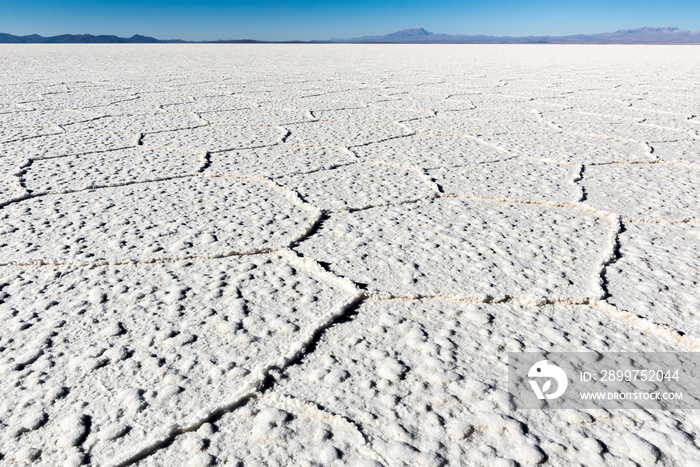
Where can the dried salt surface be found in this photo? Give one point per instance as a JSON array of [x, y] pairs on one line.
[[256, 116], [644, 191], [514, 180], [668, 104], [210, 104], [570, 147], [9, 108], [12, 166], [657, 275], [343, 134], [152, 122], [562, 119], [681, 152], [678, 124], [467, 248], [158, 95], [450, 126], [66, 144], [142, 104], [317, 102], [216, 138], [372, 114], [266, 433], [630, 131], [489, 115], [499, 100], [110, 168], [44, 118], [359, 186], [276, 161], [107, 359], [350, 95], [81, 100], [11, 189], [619, 110], [424, 380], [122, 352], [437, 103], [171, 219], [9, 134], [10, 186], [430, 151]]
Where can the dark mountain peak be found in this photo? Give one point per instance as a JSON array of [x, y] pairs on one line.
[[409, 35], [413, 32], [138, 38]]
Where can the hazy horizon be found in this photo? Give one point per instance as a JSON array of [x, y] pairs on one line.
[[314, 20]]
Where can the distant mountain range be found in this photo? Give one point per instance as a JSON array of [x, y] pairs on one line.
[[406, 36], [79, 39], [625, 36]]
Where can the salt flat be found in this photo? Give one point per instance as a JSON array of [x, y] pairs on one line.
[[321, 254]]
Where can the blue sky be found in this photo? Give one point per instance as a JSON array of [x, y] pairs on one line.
[[318, 19]]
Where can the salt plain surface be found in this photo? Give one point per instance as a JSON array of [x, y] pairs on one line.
[[320, 255]]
